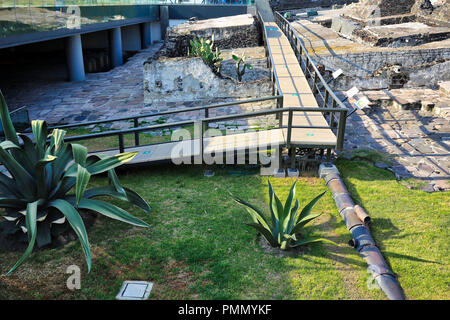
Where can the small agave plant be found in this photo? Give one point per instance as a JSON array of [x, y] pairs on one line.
[[241, 60], [34, 190], [286, 221]]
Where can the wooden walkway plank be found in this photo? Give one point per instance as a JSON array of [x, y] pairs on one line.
[[184, 150], [296, 93]]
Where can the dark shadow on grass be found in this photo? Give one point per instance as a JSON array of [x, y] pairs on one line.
[[386, 229], [407, 257]]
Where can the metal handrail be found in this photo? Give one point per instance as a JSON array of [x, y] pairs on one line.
[[202, 121], [309, 60], [147, 115], [270, 62]]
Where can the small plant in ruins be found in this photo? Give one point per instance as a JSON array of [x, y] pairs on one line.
[[241, 61], [286, 222], [204, 49], [45, 186]]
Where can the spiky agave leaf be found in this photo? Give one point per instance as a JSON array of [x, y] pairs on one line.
[[312, 240], [111, 162], [285, 220], [81, 183], [8, 127], [48, 169], [75, 221], [31, 226], [24, 181], [255, 213], [276, 208], [302, 217], [288, 205], [111, 211], [129, 196]]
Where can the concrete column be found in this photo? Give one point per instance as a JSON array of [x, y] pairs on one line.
[[131, 38], [74, 58], [164, 20], [115, 47], [155, 31], [146, 39]]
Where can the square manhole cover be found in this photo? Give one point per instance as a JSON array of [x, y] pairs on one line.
[[135, 290]]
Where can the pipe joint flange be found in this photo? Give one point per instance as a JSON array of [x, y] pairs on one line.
[[350, 218], [378, 270], [337, 186], [361, 237], [343, 201], [390, 286], [331, 176]]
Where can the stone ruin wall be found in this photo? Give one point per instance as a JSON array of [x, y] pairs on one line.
[[189, 79], [171, 77], [363, 10], [300, 4], [435, 13], [225, 37], [425, 67], [432, 12]]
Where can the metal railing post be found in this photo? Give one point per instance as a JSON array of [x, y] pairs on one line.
[[332, 115], [206, 117], [201, 141], [136, 134], [315, 82], [121, 144], [325, 102], [341, 129], [289, 133], [273, 82]]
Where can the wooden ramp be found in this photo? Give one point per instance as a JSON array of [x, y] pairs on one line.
[[296, 93], [179, 151]]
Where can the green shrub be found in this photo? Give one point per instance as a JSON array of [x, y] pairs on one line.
[[241, 60], [35, 193], [204, 49], [286, 221]]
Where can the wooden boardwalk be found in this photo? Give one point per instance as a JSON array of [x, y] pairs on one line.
[[296, 93]]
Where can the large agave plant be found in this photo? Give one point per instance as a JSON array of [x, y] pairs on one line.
[[286, 221], [35, 190]]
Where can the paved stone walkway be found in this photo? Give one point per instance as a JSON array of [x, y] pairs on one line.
[[115, 93], [417, 142]]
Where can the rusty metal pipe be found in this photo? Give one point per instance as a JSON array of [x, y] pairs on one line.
[[362, 214], [356, 221], [350, 218]]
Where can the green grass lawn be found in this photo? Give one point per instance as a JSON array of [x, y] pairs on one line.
[[198, 246]]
